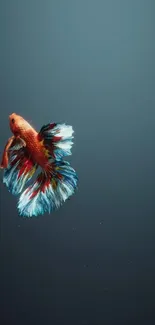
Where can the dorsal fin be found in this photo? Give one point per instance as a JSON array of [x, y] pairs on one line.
[[57, 139]]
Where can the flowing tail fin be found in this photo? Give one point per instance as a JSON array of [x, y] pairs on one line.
[[49, 190]]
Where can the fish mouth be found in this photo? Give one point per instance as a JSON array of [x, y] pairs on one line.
[[12, 116]]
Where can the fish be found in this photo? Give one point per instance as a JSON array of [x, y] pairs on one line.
[[38, 158]]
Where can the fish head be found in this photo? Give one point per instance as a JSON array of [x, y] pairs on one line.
[[17, 124]]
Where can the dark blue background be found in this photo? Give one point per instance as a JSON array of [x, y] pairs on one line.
[[91, 64]]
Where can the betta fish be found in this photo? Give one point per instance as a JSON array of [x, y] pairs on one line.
[[25, 152]]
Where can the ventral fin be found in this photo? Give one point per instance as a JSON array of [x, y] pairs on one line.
[[20, 168]]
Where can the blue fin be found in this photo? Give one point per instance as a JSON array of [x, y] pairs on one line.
[[20, 169], [57, 139], [48, 192]]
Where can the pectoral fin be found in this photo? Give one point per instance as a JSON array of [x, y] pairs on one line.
[[13, 141], [5, 159]]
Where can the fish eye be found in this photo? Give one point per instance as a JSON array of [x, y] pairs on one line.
[[13, 120]]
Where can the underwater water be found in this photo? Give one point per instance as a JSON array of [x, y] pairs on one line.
[[90, 64]]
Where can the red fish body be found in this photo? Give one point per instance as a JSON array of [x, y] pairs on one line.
[[27, 150]]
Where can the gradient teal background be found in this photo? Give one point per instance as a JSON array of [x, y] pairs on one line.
[[91, 64]]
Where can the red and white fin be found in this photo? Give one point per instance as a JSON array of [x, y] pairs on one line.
[[48, 191], [57, 139], [20, 168]]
